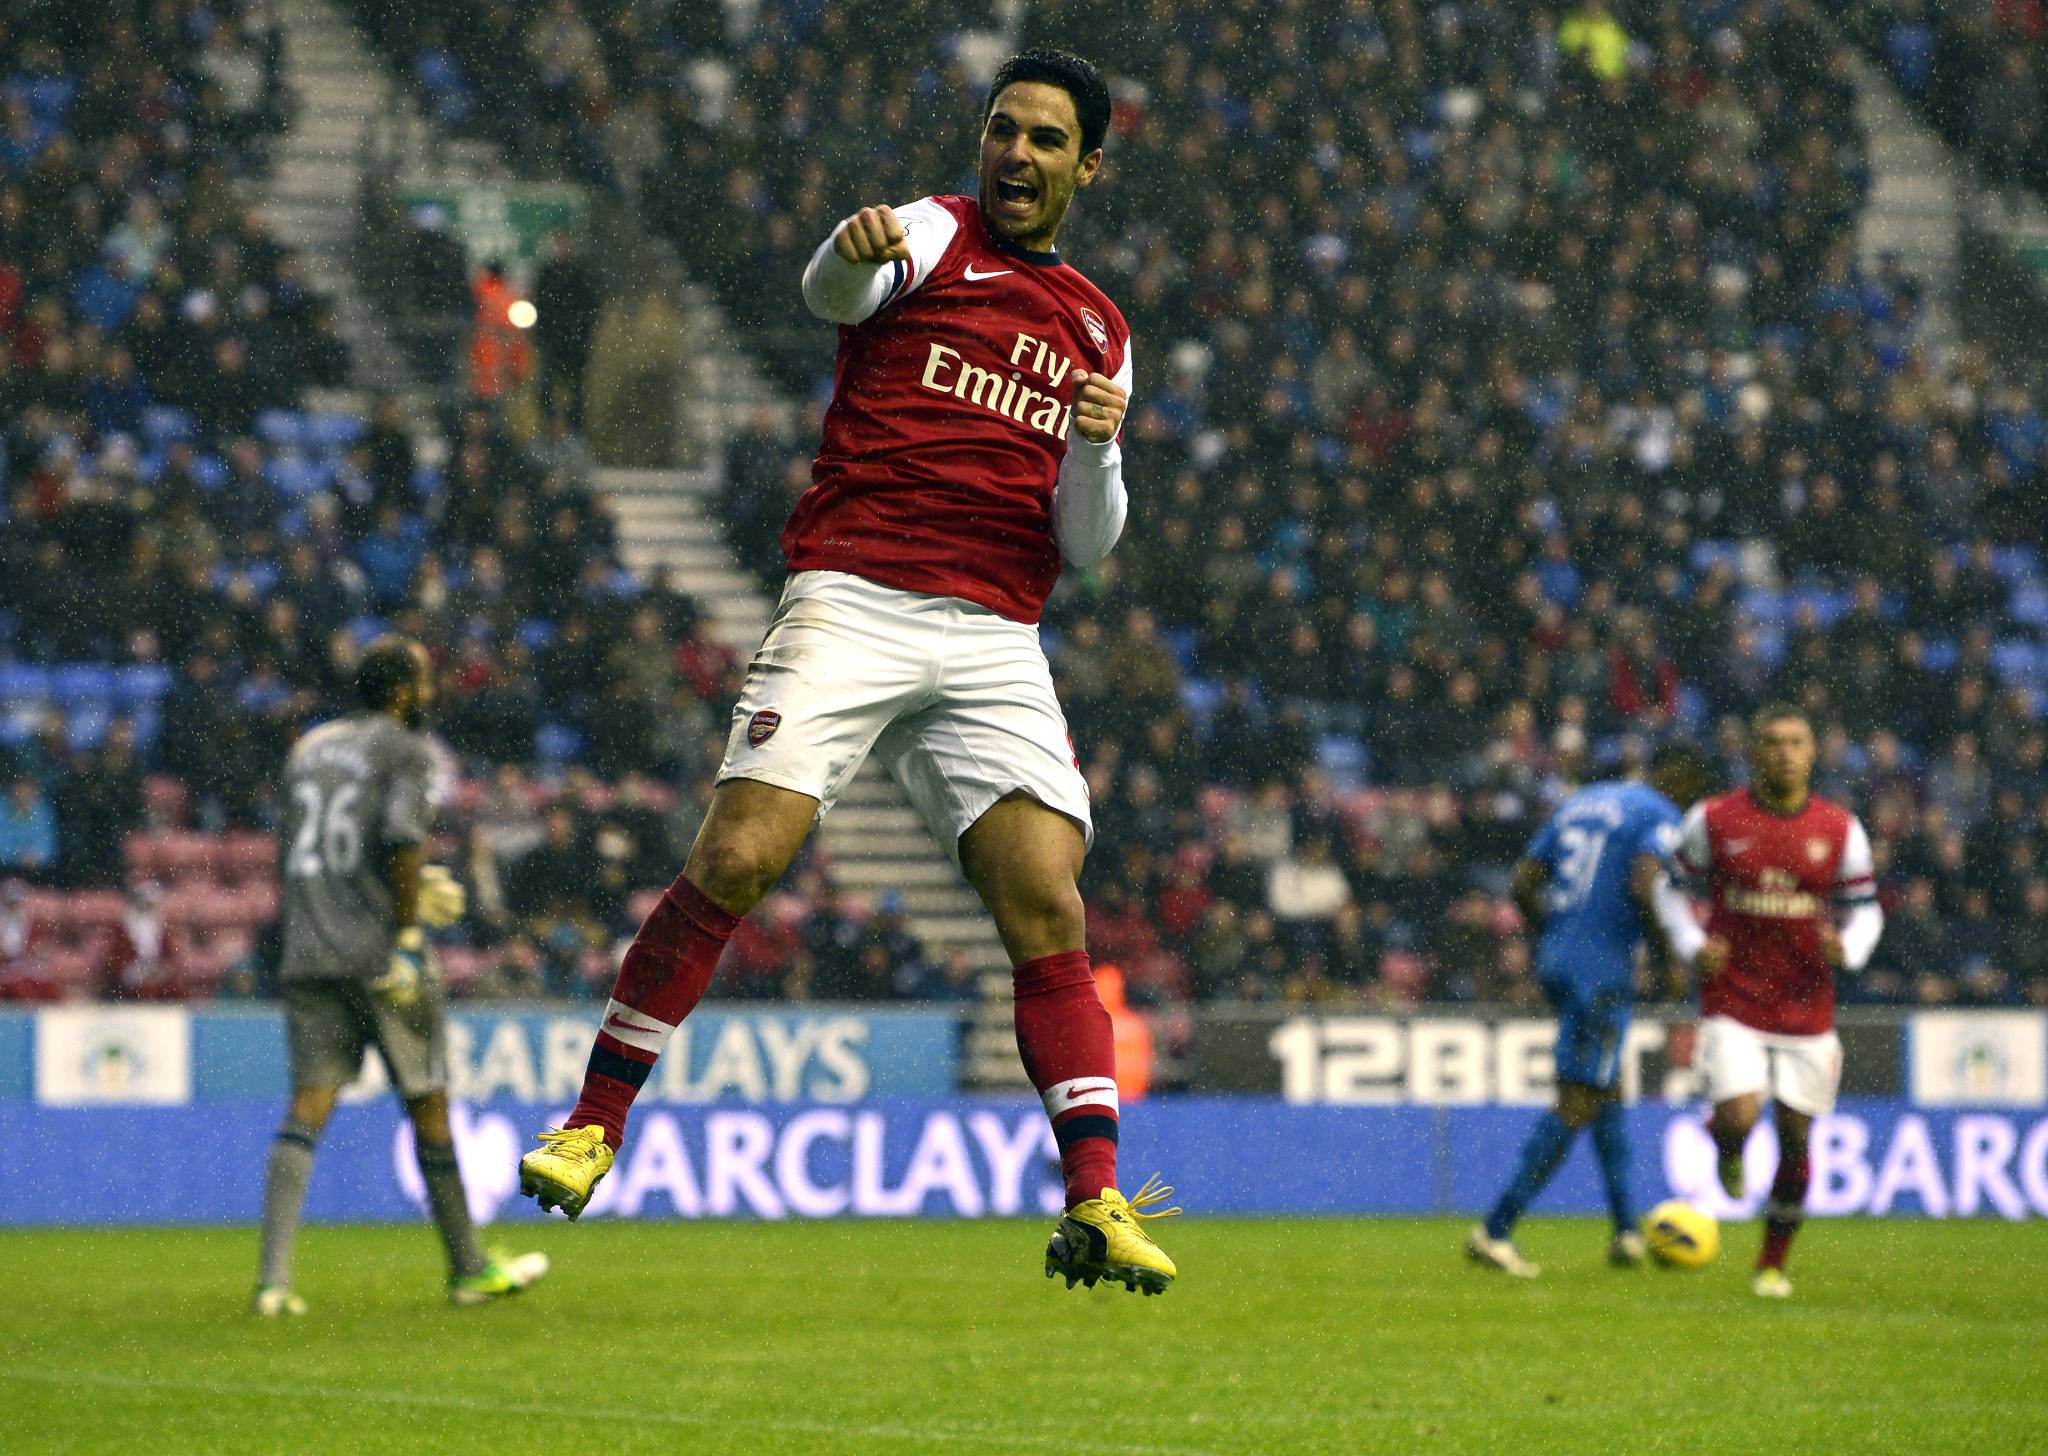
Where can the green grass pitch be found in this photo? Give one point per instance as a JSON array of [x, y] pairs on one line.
[[1305, 1336]]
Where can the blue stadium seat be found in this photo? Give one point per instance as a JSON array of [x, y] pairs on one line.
[[149, 722], [557, 743], [23, 680], [2015, 659], [281, 429], [2017, 564], [1344, 758], [1941, 654], [294, 475], [365, 630], [1182, 643], [85, 726], [536, 633], [1706, 555], [79, 684], [209, 472], [2029, 606], [141, 683], [163, 424], [333, 431], [1201, 696], [1765, 608]]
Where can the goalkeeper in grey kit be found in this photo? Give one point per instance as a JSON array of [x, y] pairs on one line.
[[356, 969]]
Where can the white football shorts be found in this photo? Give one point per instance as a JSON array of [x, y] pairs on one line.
[[956, 699], [1803, 1072]]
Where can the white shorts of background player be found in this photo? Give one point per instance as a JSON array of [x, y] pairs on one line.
[[956, 700], [1803, 1072]]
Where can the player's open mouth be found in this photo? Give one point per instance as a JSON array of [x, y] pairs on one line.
[[1015, 197]]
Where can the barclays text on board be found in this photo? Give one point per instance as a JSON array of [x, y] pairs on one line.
[[975, 1157], [97, 1055]]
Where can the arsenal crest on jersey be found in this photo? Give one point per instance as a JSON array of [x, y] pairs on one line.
[[1816, 849], [1097, 329], [761, 727]]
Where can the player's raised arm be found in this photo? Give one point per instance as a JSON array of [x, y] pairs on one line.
[[1089, 503], [874, 257]]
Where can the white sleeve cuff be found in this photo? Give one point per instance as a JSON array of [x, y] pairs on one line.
[[845, 293], [1089, 503], [1861, 928], [1674, 917]]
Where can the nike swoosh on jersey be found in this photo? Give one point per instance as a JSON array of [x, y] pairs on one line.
[[974, 277]]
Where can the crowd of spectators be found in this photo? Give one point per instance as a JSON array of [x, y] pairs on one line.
[[1975, 70], [1515, 395], [1510, 393], [194, 554]]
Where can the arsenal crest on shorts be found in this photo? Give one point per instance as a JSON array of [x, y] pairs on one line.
[[1097, 330], [761, 727]]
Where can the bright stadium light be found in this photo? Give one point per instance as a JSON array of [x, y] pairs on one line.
[[522, 314]]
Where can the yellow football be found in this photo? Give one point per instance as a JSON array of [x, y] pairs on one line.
[[1681, 1235]]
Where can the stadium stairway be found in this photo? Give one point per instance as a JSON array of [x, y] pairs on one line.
[[311, 198], [1912, 209], [873, 841]]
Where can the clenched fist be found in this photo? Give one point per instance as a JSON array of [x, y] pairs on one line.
[[1098, 407], [871, 235]]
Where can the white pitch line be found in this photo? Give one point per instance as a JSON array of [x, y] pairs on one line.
[[414, 1400]]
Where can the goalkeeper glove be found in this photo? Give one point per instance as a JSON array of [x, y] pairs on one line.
[[409, 969], [442, 898]]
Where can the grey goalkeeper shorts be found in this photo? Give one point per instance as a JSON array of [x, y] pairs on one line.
[[330, 1023]]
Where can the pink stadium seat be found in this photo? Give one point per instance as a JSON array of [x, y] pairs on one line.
[[462, 964], [1404, 974], [246, 857], [184, 857], [642, 904], [92, 910]]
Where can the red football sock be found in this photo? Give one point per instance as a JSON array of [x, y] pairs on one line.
[[1069, 1053], [663, 978], [1785, 1212]]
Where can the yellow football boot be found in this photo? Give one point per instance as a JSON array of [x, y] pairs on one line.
[[563, 1170], [1105, 1238]]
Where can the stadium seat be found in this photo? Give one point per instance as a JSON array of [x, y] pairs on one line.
[[329, 431], [244, 857], [23, 680], [79, 683], [557, 743], [85, 726], [163, 424], [281, 429], [141, 682]]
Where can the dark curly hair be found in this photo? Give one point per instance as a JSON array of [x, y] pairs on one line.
[[1072, 75], [387, 665]]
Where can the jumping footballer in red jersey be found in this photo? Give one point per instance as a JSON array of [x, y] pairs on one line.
[[971, 444], [1779, 865]]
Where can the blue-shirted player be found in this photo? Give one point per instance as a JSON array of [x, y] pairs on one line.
[[1595, 878]]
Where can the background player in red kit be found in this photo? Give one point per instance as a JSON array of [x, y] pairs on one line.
[[1779, 863], [971, 443]]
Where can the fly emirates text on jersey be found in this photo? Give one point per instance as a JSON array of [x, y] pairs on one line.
[[946, 372]]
